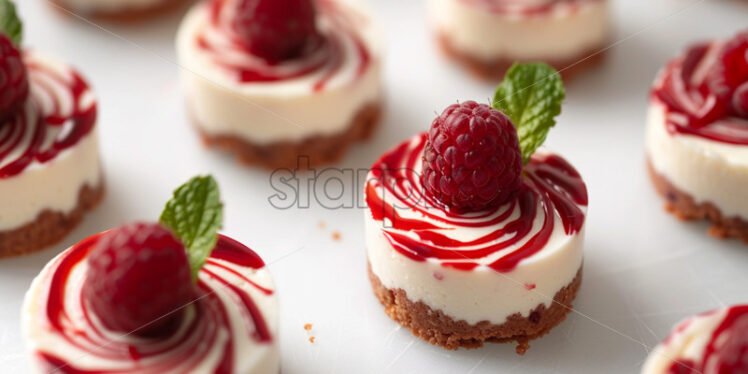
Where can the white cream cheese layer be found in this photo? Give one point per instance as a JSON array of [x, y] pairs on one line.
[[481, 294], [565, 32], [708, 170]]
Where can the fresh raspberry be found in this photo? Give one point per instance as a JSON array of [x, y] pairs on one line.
[[472, 159], [138, 274], [733, 356], [14, 84], [277, 30]]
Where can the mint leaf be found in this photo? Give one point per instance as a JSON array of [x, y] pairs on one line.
[[194, 214], [10, 24], [531, 95]]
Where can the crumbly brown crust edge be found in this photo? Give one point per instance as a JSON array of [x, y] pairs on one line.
[[683, 206], [133, 15], [495, 69], [438, 328], [49, 227], [320, 150]]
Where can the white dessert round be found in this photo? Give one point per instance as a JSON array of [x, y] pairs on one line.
[[485, 290], [697, 344], [321, 101], [709, 171], [26, 192], [109, 6], [548, 30], [217, 331]]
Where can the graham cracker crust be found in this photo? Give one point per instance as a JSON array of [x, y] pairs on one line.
[[438, 328], [496, 69], [321, 150], [684, 207], [49, 227], [126, 15]]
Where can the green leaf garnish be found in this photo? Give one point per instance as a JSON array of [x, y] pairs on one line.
[[194, 214], [531, 95], [10, 24]]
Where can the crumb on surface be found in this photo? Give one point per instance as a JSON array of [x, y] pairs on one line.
[[336, 235], [308, 326], [311, 339], [522, 347]]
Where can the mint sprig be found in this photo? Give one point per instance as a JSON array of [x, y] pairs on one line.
[[10, 24], [194, 214], [531, 95]]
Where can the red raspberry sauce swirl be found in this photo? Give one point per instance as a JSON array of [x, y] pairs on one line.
[[60, 111], [677, 88], [338, 24], [209, 330], [551, 188], [527, 8], [734, 322]]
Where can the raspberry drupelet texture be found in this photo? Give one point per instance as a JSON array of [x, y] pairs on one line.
[[472, 158], [14, 85], [138, 279], [277, 30]]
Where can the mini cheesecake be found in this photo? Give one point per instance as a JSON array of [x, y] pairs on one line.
[[50, 174], [697, 135], [711, 343], [269, 111], [473, 233], [488, 36], [459, 279], [173, 296], [231, 327]]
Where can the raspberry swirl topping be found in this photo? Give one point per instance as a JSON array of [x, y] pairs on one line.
[[60, 111], [527, 7], [341, 43], [551, 202], [705, 91], [722, 349], [219, 333]]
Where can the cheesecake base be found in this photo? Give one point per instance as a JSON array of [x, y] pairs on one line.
[[49, 227], [496, 69], [683, 206], [438, 328], [320, 150]]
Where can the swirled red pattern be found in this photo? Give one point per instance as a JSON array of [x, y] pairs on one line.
[[192, 343], [551, 188], [339, 27], [690, 107], [725, 350], [60, 111]]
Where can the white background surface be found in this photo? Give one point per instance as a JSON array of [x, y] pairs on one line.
[[644, 270]]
